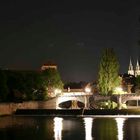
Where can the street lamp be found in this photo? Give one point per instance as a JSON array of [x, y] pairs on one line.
[[87, 89], [57, 91]]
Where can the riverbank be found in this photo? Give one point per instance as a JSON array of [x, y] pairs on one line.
[[10, 108], [77, 112]]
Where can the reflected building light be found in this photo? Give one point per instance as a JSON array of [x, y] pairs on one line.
[[58, 127], [120, 123], [88, 128]]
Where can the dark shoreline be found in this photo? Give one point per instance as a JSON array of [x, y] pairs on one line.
[[76, 112]]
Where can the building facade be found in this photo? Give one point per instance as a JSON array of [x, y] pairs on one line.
[[134, 71], [48, 65]]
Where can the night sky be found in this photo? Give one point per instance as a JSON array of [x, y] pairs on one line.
[[70, 33]]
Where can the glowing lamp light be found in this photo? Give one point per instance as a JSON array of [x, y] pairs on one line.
[[118, 90], [87, 89], [57, 91]]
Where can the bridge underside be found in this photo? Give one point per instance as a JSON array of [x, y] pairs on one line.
[[71, 105], [70, 102]]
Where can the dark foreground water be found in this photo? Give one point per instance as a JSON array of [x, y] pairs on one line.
[[69, 128]]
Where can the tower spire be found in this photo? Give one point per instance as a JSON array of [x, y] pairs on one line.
[[130, 69], [137, 71]]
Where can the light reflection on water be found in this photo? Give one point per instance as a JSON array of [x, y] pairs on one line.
[[58, 127], [120, 124], [88, 124], [69, 128], [88, 128]]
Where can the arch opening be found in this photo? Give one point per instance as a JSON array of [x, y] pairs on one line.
[[71, 104], [133, 103]]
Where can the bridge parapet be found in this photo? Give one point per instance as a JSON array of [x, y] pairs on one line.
[[68, 94], [128, 97], [100, 97], [118, 98]]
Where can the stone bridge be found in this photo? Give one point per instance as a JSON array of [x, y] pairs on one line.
[[127, 97], [87, 98], [82, 97], [119, 99]]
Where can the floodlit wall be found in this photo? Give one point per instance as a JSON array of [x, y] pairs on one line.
[[10, 108]]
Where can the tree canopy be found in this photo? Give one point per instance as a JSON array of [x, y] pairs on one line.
[[108, 77], [52, 80], [17, 86]]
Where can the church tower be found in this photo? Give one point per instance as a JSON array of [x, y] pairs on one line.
[[137, 70], [130, 70]]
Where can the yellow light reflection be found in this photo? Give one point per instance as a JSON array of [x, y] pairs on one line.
[[88, 128], [58, 127], [120, 123]]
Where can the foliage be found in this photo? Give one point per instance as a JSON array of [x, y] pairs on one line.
[[138, 80], [25, 85], [18, 86], [108, 72], [52, 80], [107, 105], [137, 84]]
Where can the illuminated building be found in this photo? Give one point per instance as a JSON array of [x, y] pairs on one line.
[[133, 71], [48, 65]]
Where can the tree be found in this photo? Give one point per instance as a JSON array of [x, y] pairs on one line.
[[137, 86], [108, 72], [25, 85], [52, 80], [3, 86]]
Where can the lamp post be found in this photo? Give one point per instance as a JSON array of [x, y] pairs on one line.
[[57, 91]]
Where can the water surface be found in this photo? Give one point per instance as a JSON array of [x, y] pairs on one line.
[[69, 128]]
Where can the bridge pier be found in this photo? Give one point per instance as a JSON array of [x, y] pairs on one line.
[[86, 102], [74, 104], [119, 101], [57, 103]]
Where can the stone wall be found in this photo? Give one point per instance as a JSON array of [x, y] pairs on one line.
[[10, 108]]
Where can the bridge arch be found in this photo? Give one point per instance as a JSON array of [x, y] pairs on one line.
[[69, 98], [119, 99]]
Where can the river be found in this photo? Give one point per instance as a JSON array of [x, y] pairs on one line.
[[69, 128]]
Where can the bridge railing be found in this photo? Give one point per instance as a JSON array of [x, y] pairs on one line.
[[75, 94]]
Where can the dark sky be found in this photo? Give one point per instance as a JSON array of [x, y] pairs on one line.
[[70, 33]]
